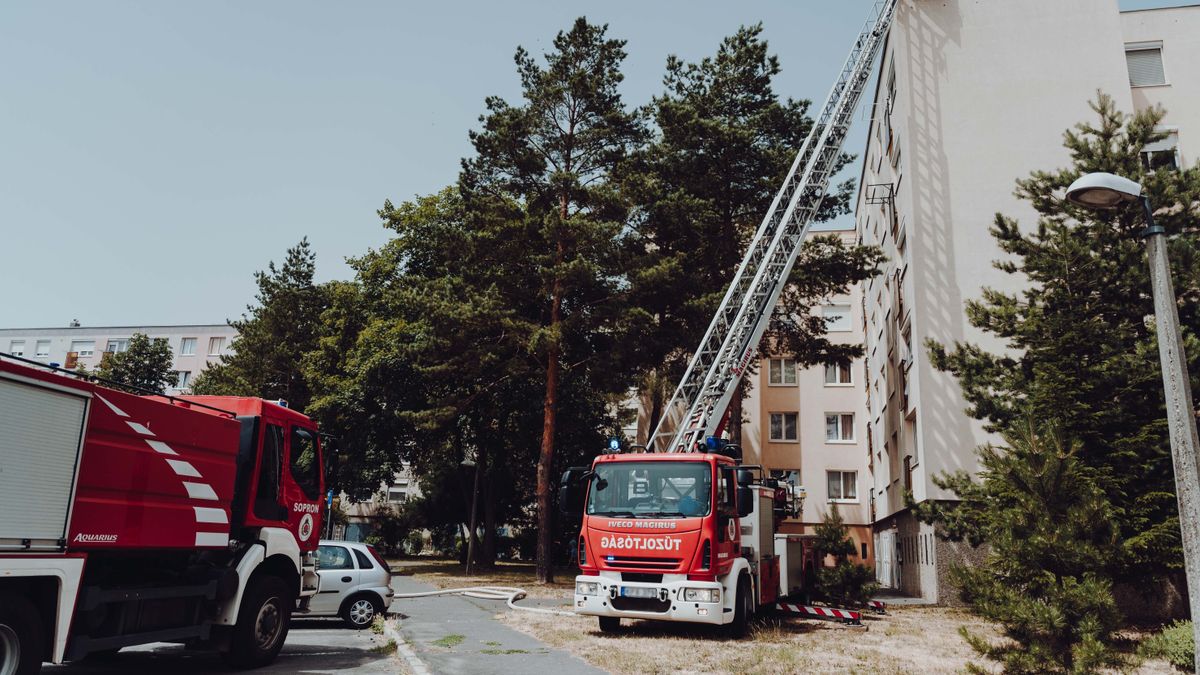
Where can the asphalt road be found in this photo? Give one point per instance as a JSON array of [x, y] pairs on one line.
[[313, 646]]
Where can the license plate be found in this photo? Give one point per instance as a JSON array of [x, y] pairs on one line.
[[638, 592]]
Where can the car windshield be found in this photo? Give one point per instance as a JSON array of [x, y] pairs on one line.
[[650, 490]]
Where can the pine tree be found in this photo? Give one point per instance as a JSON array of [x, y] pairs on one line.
[[1052, 532], [547, 166], [274, 335], [147, 364], [846, 584], [1080, 348]]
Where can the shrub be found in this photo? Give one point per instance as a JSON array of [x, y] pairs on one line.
[[845, 584], [414, 542], [1175, 644]]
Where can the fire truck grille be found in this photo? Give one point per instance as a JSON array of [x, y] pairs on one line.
[[619, 561], [640, 604]]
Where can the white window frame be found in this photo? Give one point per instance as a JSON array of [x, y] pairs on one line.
[[37, 349], [849, 367], [842, 486], [783, 416], [183, 379], [783, 373], [219, 341], [83, 352], [16, 347], [1153, 46], [841, 428], [116, 345], [183, 346], [829, 327]]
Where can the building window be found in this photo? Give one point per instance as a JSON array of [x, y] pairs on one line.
[[782, 371], [837, 318], [216, 346], [42, 348], [843, 486], [117, 346], [17, 348], [183, 379], [398, 495], [838, 374], [187, 347], [1145, 64], [839, 427], [783, 426], [84, 347], [1162, 154]]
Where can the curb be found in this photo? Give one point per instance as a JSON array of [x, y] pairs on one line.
[[405, 650]]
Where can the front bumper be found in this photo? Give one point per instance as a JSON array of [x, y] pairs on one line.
[[668, 605]]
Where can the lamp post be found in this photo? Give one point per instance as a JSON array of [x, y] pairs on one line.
[[1106, 191]]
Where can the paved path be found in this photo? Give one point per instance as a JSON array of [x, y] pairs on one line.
[[471, 640], [313, 646]]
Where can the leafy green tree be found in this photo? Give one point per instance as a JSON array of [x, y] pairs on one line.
[[274, 335], [724, 143], [146, 364], [1052, 532], [549, 168], [1079, 347], [846, 584]]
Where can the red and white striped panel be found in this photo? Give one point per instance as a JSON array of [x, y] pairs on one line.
[[878, 606], [822, 612]]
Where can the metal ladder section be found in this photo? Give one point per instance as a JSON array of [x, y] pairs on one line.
[[698, 406]]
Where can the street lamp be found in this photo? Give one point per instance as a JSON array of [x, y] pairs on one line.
[[1106, 191]]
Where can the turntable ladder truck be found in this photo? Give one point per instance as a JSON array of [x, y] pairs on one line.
[[682, 531]]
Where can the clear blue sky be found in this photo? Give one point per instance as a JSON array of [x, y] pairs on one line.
[[154, 154]]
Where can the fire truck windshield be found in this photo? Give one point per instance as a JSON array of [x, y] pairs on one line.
[[650, 490]]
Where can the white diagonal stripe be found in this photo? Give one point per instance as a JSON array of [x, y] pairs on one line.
[[183, 468], [200, 491], [205, 514], [212, 538], [111, 406], [161, 447], [139, 428]]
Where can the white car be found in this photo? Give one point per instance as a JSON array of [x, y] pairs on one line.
[[356, 583]]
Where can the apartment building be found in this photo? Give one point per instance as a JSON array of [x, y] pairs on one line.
[[970, 97], [195, 347], [807, 425]]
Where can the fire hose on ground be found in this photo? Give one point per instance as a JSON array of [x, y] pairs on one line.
[[508, 594]]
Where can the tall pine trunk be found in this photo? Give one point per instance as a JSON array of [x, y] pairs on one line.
[[545, 564]]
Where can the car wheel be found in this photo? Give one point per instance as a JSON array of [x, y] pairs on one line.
[[21, 636], [359, 612], [262, 625]]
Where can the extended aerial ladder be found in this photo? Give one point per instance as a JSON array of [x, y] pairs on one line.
[[699, 406]]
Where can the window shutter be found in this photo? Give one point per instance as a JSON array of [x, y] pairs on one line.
[[1145, 67]]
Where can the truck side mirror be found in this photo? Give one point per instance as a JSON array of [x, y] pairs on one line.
[[571, 491], [745, 505], [745, 477]]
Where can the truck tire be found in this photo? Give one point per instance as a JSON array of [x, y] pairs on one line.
[[22, 639], [359, 611], [262, 624], [610, 624], [743, 609]]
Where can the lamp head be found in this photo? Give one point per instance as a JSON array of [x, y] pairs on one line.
[[1103, 191]]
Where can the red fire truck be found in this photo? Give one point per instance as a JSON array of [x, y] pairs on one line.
[[130, 519], [682, 537]]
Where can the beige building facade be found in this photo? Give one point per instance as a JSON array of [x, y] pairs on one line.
[[194, 346], [972, 96]]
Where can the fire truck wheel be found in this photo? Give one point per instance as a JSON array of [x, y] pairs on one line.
[[610, 624], [21, 636], [359, 611], [742, 611], [262, 624]]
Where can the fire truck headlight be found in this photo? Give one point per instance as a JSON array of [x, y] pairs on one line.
[[587, 588], [702, 595]]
